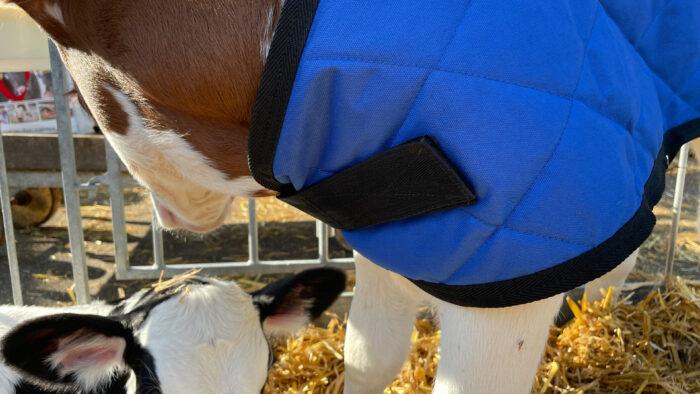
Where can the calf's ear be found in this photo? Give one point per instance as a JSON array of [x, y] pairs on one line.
[[292, 302], [68, 352]]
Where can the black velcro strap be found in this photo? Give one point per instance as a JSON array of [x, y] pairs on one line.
[[407, 180]]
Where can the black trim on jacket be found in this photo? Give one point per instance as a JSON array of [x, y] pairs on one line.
[[271, 105]]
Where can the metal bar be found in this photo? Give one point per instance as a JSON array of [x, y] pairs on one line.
[[53, 179], [677, 206], [253, 247], [322, 235], [68, 170], [116, 202], [263, 267], [633, 285], [158, 251], [9, 230]]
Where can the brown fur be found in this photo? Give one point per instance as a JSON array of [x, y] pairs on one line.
[[189, 66], [37, 10], [115, 119]]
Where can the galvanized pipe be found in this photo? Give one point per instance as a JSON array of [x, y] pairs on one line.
[[246, 267], [677, 206], [9, 230], [116, 202], [20, 178], [68, 170], [158, 251], [322, 235], [253, 252]]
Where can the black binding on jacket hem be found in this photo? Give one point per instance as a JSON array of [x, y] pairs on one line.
[[274, 92], [276, 87], [585, 267]]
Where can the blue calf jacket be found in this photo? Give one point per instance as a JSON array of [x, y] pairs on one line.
[[493, 152]]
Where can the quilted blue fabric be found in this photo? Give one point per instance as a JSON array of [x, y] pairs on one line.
[[553, 110]]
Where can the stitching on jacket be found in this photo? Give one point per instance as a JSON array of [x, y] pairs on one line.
[[573, 98], [432, 68], [651, 70], [427, 77], [488, 78], [556, 147], [651, 24], [513, 229], [533, 234]]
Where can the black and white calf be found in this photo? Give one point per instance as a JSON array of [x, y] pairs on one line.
[[202, 336]]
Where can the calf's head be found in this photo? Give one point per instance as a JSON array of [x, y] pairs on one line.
[[206, 337], [172, 85]]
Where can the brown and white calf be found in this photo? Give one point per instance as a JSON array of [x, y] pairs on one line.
[[201, 335], [173, 85]]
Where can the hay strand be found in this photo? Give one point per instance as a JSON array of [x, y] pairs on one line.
[[610, 347]]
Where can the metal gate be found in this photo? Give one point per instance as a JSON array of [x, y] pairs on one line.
[[113, 179]]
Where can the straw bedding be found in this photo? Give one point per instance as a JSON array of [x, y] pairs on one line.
[[611, 346]]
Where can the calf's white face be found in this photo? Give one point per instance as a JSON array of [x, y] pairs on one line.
[[187, 190], [206, 336]]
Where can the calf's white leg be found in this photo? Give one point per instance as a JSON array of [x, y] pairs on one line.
[[492, 351], [615, 278], [379, 329]]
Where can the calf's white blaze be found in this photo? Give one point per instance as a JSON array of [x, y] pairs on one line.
[[180, 177]]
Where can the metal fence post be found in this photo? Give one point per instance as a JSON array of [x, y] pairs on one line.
[[158, 250], [116, 202], [69, 174], [253, 253], [322, 235], [677, 206], [9, 230]]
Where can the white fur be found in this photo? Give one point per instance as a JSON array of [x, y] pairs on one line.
[[490, 351], [379, 328], [615, 278], [214, 339], [267, 35], [181, 178], [493, 351], [8, 379], [53, 8], [207, 341], [263, 299]]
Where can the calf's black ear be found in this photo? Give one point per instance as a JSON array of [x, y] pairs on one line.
[[68, 352], [292, 302]]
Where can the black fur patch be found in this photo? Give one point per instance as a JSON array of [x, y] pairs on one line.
[[39, 338], [150, 299]]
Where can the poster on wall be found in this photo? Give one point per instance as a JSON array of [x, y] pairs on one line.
[[27, 105]]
